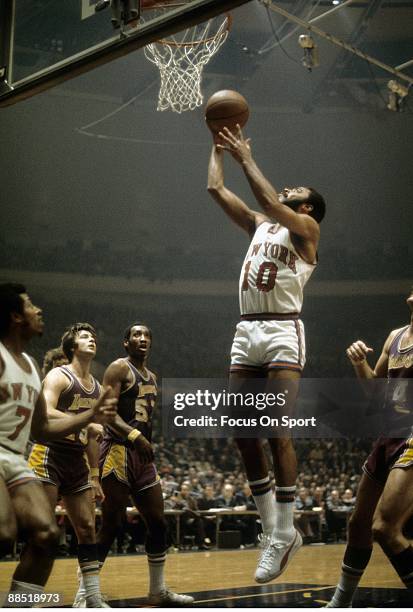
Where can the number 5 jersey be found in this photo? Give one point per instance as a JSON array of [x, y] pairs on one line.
[[136, 403]]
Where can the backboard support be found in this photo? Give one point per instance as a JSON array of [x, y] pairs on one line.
[[57, 46]]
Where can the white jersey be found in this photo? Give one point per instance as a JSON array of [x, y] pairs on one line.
[[17, 411], [273, 274]]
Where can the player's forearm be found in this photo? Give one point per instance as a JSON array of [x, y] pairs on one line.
[[264, 192], [216, 180], [92, 453], [55, 428], [363, 370], [53, 413], [232, 207], [215, 171], [120, 427]]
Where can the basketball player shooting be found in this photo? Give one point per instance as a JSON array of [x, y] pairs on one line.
[[269, 340]]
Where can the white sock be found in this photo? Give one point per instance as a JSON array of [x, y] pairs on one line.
[[156, 565], [18, 588], [352, 568], [264, 500], [90, 577], [347, 585], [81, 591], [284, 529]]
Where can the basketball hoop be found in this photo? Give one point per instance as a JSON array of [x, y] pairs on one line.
[[182, 57]]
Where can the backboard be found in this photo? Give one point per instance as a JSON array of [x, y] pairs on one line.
[[46, 42]]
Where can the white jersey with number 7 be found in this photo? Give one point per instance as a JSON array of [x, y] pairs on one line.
[[16, 411]]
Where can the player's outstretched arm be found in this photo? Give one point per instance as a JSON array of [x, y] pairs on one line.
[[44, 429], [266, 195], [357, 353], [115, 375], [231, 204]]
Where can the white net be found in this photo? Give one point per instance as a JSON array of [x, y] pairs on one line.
[[181, 60]]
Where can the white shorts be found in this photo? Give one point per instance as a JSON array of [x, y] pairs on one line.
[[14, 468], [268, 345]]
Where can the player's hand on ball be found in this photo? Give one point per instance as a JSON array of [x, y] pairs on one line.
[[358, 351], [105, 408], [236, 144], [144, 449], [218, 141]]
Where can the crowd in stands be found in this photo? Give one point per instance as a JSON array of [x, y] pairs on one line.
[[208, 476]]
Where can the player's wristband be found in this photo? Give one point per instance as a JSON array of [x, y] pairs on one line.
[[94, 472], [133, 434]]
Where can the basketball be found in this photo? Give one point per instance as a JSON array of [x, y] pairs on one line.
[[226, 108]]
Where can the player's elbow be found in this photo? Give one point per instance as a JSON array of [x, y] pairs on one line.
[[217, 192], [40, 431], [214, 188]]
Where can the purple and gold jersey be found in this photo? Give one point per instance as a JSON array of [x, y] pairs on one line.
[[400, 373], [74, 399], [398, 451], [400, 359], [136, 403]]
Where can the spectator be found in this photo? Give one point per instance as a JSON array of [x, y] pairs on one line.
[[336, 516], [245, 501], [348, 499], [191, 522], [303, 503], [233, 523], [206, 502]]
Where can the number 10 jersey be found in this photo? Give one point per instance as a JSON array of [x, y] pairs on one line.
[[273, 275]]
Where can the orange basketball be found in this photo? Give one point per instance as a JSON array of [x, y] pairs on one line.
[[226, 108]]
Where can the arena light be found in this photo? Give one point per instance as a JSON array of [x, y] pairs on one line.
[[397, 96], [310, 59]]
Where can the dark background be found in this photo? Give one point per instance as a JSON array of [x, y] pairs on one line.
[[112, 222]]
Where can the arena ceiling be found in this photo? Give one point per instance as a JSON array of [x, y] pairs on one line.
[[92, 158]]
